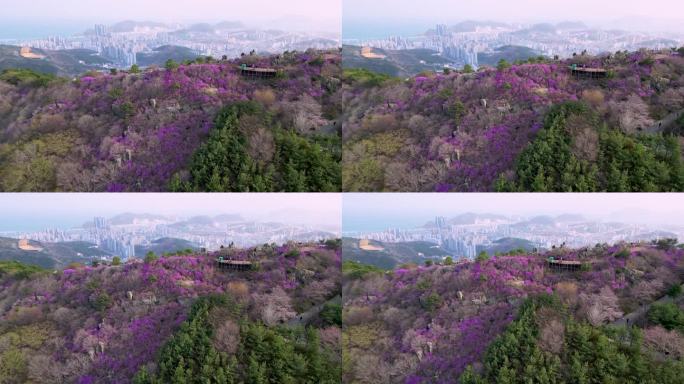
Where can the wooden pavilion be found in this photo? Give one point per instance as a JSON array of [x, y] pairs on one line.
[[255, 72]]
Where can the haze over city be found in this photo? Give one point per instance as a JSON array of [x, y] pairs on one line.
[[305, 15], [466, 225], [364, 212], [28, 212], [660, 14]]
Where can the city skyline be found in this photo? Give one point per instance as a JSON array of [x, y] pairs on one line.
[[380, 20], [104, 46]]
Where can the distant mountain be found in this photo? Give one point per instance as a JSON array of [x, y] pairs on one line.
[[565, 218], [229, 25], [571, 25], [166, 244], [541, 27], [227, 218], [198, 220], [201, 28], [129, 218], [537, 220], [164, 53], [130, 26], [471, 218], [471, 25], [50, 255]]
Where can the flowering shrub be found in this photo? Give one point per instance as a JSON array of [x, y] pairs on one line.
[[466, 131], [135, 131], [428, 324], [104, 324]]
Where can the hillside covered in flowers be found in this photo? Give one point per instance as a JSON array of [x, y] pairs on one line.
[[529, 126], [196, 126], [617, 317], [176, 319]]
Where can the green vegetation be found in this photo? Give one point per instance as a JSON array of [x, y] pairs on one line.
[[31, 166], [333, 243], [512, 252], [18, 345], [190, 357], [380, 149], [26, 77], [292, 253], [285, 161], [431, 302], [468, 68], [668, 315], [19, 270], [102, 301], [365, 77], [331, 314], [458, 111], [679, 125], [585, 355], [264, 355], [170, 65], [354, 270], [619, 163], [665, 244], [116, 260], [150, 257], [622, 254], [502, 65], [13, 365], [674, 290]]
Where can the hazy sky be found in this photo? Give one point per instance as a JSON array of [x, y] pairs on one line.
[[319, 13], [381, 18], [510, 10], [42, 210], [405, 210]]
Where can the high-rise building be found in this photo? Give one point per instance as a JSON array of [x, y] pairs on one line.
[[442, 29], [101, 223], [101, 30]]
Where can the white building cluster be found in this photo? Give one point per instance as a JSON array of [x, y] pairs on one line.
[[467, 240]]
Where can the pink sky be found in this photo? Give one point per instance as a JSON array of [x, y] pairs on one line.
[[304, 14]]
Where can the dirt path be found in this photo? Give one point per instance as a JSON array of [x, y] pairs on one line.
[[664, 124], [639, 315], [305, 317]]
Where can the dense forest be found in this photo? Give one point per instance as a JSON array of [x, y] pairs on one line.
[[194, 126], [528, 126], [618, 317], [176, 318]]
